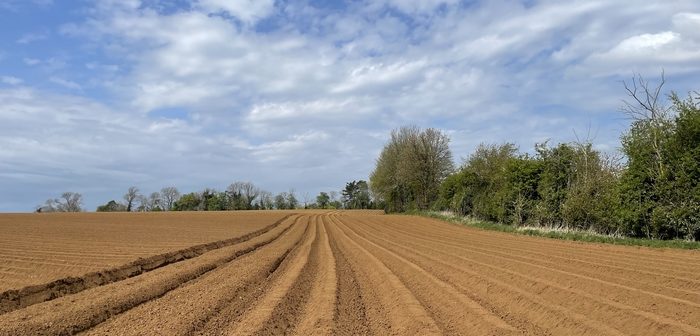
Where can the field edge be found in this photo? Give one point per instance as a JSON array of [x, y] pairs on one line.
[[580, 236]]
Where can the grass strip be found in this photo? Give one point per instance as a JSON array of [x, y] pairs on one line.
[[574, 235]]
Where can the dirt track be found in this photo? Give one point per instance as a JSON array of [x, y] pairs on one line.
[[357, 274]]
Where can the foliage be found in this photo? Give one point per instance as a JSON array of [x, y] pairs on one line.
[[574, 186], [410, 169], [111, 206], [356, 195], [188, 202], [323, 200], [584, 236]]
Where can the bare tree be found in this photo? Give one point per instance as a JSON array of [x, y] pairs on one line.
[[250, 193], [646, 107], [266, 200], [155, 203], [169, 195], [306, 197], [243, 194], [130, 197], [68, 202], [141, 203]]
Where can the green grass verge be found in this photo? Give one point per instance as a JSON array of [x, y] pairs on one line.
[[558, 234]]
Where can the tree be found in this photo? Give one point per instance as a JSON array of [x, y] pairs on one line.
[[323, 200], [242, 195], [411, 167], [111, 206], [356, 195], [281, 201], [250, 193], [130, 197], [266, 201], [486, 180], [558, 167], [169, 195], [68, 202], [141, 203], [645, 145], [154, 202], [681, 211], [334, 201], [292, 202], [188, 202], [306, 197]]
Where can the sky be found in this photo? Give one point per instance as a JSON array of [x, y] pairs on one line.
[[97, 96]]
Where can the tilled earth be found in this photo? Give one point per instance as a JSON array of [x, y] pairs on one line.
[[341, 273]]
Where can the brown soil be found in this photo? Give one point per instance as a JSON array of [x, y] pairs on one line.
[[342, 273]]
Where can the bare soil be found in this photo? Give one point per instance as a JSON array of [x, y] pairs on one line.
[[353, 273]]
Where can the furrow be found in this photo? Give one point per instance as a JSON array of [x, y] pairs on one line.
[[614, 312], [70, 314], [15, 299], [457, 313], [679, 288], [181, 310], [274, 312], [509, 300], [392, 308], [350, 316], [653, 259], [317, 317]]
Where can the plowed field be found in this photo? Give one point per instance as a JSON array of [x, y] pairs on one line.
[[343, 273]]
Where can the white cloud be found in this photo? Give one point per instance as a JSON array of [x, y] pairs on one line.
[[32, 37], [65, 83], [31, 61], [11, 80], [248, 11], [420, 6], [315, 92]]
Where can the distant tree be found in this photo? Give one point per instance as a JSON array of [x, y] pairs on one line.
[[281, 201], [154, 202], [266, 201], [356, 195], [130, 197], [334, 201], [188, 202], [323, 200], [292, 202], [68, 202], [141, 203], [169, 195], [306, 197], [250, 193], [111, 206]]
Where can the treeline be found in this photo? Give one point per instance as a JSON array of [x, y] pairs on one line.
[[653, 192], [237, 196]]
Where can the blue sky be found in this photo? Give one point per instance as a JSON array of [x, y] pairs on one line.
[[96, 96]]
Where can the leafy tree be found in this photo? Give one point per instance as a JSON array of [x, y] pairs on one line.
[[188, 202], [323, 200], [410, 168], [356, 195], [281, 201], [111, 206], [645, 145], [556, 179], [292, 202]]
